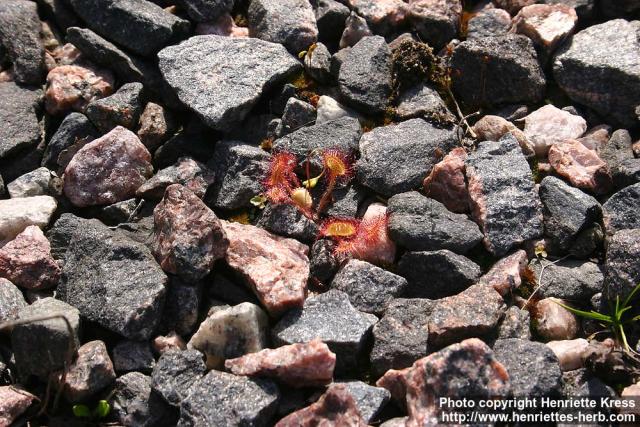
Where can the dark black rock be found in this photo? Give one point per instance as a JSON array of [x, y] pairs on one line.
[[584, 8], [20, 35], [113, 281], [621, 210], [342, 134], [20, 129], [287, 220], [181, 308], [401, 336], [59, 11], [192, 141], [330, 18], [134, 404], [296, 114], [74, 128], [60, 234], [224, 289], [44, 346], [567, 211], [133, 356], [568, 279], [239, 169], [436, 22], [437, 274], [128, 67], [11, 301], [323, 265], [619, 8], [365, 75], [489, 23], [587, 241], [497, 70], [330, 317], [396, 158], [516, 324], [206, 10], [419, 223], [534, 370], [370, 288], [123, 108], [221, 78], [582, 383], [369, 400], [589, 63], [291, 23], [138, 25], [622, 270], [175, 373], [503, 197], [220, 399]]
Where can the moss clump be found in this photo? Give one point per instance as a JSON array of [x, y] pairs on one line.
[[414, 62]]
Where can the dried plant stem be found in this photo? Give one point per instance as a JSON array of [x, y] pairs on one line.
[[326, 196]]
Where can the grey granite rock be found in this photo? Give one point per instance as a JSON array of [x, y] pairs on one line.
[[621, 210], [503, 197], [567, 211], [436, 22], [622, 271], [21, 129], [618, 154], [534, 370], [123, 108], [113, 281], [74, 128], [330, 18], [370, 400], [419, 223], [239, 169], [437, 274], [20, 35], [138, 25], [221, 78], [175, 373], [332, 318], [220, 399], [396, 158], [206, 10], [516, 324], [128, 67], [288, 221], [587, 65], [134, 403], [182, 306], [364, 79], [188, 172], [43, 346], [11, 301], [570, 280], [422, 100], [323, 264], [291, 23], [489, 23], [401, 336], [296, 114], [131, 356], [497, 70], [317, 63], [370, 289]]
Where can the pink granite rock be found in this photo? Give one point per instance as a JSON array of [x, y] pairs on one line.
[[108, 169], [473, 312], [188, 236], [636, 148], [546, 24], [513, 6], [383, 16], [157, 124], [505, 275], [451, 372], [596, 138], [355, 28], [194, 175], [223, 26], [446, 182], [171, 341], [492, 128], [276, 268], [72, 87], [334, 408], [569, 352], [581, 166], [554, 322], [13, 403], [374, 244], [436, 22], [548, 126], [66, 54], [298, 365], [27, 262], [90, 373]]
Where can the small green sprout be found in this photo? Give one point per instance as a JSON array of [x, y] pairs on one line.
[[259, 201], [101, 410], [614, 321]]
